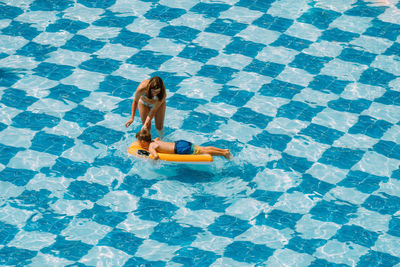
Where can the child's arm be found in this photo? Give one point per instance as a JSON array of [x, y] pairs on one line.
[[153, 150]]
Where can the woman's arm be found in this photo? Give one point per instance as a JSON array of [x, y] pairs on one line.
[[152, 113], [138, 94]]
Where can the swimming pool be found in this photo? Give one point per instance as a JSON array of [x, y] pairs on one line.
[[305, 94]]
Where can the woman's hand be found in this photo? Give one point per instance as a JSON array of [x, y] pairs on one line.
[[128, 123]]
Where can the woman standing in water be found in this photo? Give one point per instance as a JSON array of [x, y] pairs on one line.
[[150, 97]]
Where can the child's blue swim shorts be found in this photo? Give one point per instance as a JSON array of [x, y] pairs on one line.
[[185, 147]]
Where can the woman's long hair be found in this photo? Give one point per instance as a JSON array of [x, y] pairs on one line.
[[154, 83]]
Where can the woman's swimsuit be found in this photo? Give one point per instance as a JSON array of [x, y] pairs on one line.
[[185, 147], [150, 106]]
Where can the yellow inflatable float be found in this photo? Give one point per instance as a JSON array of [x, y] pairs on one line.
[[136, 150]]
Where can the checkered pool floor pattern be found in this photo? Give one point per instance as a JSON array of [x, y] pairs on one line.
[[306, 94]]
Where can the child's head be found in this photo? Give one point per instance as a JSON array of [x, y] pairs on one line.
[[144, 135]]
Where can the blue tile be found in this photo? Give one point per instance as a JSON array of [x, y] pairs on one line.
[[21, 29], [271, 197], [7, 153], [179, 33], [394, 227], [10, 12], [243, 47], [320, 18], [110, 19], [273, 23], [64, 92], [220, 75], [102, 65], [3, 126], [135, 185], [84, 116], [210, 9], [292, 42], [324, 263], [53, 71], [328, 84], [226, 27], [258, 5], [137, 261], [268, 140], [7, 233], [244, 251], [394, 50], [278, 219], [16, 256], [174, 234], [34, 121], [208, 202], [362, 9], [341, 157], [51, 143], [101, 135], [72, 26], [228, 226], [66, 168], [131, 39], [296, 110], [198, 53], [336, 35], [346, 105], [18, 177], [396, 174], [357, 56], [97, 4], [205, 123], [277, 88], [308, 246], [103, 215], [116, 159], [34, 200], [54, 5], [333, 212], [83, 190], [237, 98], [370, 126], [321, 134], [155, 210], [164, 13], [48, 222], [384, 203], [378, 77], [290, 163], [148, 59], [389, 98], [189, 256], [265, 68], [182, 102], [124, 241], [17, 99], [118, 86], [378, 259], [357, 235], [311, 64], [81, 43], [364, 182], [311, 185], [38, 51], [124, 108], [388, 149], [70, 250], [8, 78], [250, 117]]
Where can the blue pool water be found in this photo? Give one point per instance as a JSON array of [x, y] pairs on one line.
[[305, 94]]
